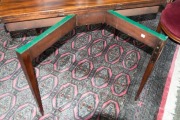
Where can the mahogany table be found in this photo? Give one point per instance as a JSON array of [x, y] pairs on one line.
[[31, 50], [27, 14]]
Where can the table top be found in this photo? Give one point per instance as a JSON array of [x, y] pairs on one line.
[[20, 10]]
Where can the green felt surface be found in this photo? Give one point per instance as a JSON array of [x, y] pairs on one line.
[[160, 36], [44, 34]]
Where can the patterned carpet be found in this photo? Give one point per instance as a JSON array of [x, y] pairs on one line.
[[88, 74]]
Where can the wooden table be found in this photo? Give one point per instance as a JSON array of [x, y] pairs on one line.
[[27, 14], [33, 49]]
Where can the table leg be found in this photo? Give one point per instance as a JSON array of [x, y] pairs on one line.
[[38, 31], [155, 55], [28, 69], [115, 33], [159, 28]]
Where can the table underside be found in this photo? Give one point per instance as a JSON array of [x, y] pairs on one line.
[[33, 49]]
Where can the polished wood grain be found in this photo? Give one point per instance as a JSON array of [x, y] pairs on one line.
[[39, 23], [22, 10]]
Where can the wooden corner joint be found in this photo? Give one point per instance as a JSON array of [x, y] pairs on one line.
[[157, 51]]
